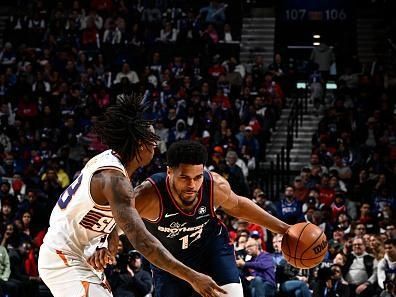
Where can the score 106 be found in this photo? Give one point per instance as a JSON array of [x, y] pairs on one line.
[[310, 15]]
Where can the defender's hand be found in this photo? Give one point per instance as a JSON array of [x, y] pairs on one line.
[[205, 286], [101, 258]]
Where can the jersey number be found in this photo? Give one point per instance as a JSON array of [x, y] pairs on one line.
[[67, 195], [185, 239]]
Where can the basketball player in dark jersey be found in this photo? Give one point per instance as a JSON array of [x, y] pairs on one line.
[[178, 208]]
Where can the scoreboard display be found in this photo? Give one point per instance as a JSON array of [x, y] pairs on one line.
[[315, 10]]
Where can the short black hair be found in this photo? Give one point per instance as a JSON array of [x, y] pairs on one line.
[[123, 128], [391, 241], [186, 152]]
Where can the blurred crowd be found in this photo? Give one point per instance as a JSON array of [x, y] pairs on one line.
[[64, 62]]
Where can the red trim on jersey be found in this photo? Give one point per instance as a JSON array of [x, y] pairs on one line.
[[160, 200], [62, 256], [85, 285], [102, 207], [211, 199], [175, 203]]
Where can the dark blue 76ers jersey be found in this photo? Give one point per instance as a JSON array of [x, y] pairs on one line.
[[185, 235]]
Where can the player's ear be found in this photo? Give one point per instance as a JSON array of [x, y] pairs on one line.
[[168, 170]]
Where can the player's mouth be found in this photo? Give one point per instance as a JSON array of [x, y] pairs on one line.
[[190, 194]]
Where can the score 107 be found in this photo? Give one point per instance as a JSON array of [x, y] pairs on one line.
[[310, 15]]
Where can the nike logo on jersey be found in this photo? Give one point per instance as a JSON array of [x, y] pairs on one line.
[[167, 215]]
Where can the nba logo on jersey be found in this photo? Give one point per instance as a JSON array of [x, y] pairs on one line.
[[202, 210]]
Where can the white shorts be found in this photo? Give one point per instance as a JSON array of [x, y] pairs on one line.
[[70, 276]]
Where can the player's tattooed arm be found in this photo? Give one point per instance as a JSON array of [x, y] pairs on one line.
[[120, 195]]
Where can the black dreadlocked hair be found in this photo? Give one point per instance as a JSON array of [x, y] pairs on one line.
[[186, 152], [123, 128]]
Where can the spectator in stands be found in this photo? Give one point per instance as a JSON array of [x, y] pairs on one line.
[[359, 230], [324, 56], [377, 248], [326, 193], [151, 15], [289, 208], [5, 191], [261, 269], [344, 222], [261, 199], [337, 241], [126, 72], [28, 285], [236, 178], [112, 35], [315, 161], [7, 56], [300, 191], [132, 280], [291, 281], [7, 212], [359, 270], [312, 201], [6, 285], [213, 13], [387, 265], [90, 37], [250, 147], [331, 283], [344, 171], [168, 34], [227, 34], [277, 67], [390, 230], [93, 20], [338, 206], [349, 79]]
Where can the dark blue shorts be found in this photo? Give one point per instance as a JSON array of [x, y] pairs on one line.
[[217, 260]]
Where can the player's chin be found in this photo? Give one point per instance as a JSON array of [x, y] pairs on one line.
[[189, 196]]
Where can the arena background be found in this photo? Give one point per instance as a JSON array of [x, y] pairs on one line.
[[288, 96]]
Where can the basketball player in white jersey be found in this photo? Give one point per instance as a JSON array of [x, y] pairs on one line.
[[101, 197]]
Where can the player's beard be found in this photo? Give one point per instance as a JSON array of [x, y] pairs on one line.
[[188, 202], [185, 202]]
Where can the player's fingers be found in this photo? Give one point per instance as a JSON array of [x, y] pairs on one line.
[[219, 289], [103, 258], [91, 261], [111, 259], [98, 263]]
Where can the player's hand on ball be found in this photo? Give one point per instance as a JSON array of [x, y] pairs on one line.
[[206, 286], [101, 258]]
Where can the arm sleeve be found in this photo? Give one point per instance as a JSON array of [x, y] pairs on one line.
[[7, 269], [262, 263], [381, 276], [373, 277]]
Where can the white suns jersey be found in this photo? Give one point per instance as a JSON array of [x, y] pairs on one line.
[[78, 225]]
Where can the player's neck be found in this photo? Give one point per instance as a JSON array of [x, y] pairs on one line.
[[185, 208], [179, 201], [132, 167]]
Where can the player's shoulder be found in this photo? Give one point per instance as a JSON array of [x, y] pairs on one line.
[[147, 201], [219, 182], [107, 158], [145, 190]]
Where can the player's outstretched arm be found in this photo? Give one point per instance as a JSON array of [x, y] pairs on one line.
[[244, 208], [119, 193]]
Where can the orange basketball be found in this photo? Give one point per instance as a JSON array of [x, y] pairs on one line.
[[304, 245]]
